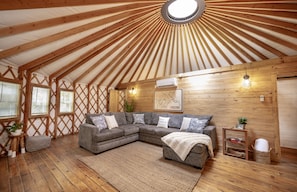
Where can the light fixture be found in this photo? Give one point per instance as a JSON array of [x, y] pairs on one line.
[[182, 11], [246, 83], [132, 91]]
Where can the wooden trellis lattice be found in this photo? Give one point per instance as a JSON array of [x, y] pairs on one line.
[[9, 73], [122, 97], [93, 105], [80, 105]]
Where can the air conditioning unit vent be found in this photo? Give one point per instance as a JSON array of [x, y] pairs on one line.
[[170, 82]]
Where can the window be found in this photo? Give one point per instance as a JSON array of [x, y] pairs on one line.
[[66, 101], [40, 101], [9, 99]]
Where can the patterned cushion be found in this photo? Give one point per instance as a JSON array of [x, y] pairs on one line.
[[138, 119], [197, 125], [99, 121], [185, 124], [163, 122], [111, 122]]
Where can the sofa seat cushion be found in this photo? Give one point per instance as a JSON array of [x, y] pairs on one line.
[[129, 129], [153, 130], [164, 131], [147, 129], [107, 134]]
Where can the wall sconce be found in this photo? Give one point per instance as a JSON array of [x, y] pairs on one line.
[[246, 83], [132, 91]]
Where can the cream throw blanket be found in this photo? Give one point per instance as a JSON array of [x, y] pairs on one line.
[[183, 142]]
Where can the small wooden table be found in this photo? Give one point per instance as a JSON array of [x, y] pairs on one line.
[[16, 141], [235, 142]]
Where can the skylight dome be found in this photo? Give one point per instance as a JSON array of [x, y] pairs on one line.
[[182, 11]]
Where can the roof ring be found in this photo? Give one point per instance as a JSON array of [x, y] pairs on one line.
[[182, 11]]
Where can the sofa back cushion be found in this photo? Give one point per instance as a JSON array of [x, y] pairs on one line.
[[129, 117], [120, 117], [155, 117], [207, 117], [175, 120], [89, 115]]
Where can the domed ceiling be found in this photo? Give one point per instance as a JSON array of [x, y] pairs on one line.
[[120, 41]]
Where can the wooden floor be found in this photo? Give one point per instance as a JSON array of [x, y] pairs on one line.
[[58, 169]]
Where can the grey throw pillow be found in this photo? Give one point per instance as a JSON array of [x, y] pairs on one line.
[[99, 122], [138, 119], [197, 125]]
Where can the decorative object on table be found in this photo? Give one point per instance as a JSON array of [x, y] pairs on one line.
[[129, 106], [242, 121], [15, 129]]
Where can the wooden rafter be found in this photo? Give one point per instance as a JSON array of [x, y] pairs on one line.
[[115, 63], [30, 4]]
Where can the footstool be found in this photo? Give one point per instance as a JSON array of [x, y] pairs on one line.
[[35, 143], [196, 158]]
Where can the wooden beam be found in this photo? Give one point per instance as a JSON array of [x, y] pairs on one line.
[[21, 28], [48, 58], [128, 29], [32, 4], [125, 54], [223, 22], [99, 48], [143, 41], [122, 55]]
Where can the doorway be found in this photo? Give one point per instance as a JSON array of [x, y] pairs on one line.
[[287, 111]]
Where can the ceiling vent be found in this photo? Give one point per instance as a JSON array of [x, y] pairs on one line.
[[163, 83]]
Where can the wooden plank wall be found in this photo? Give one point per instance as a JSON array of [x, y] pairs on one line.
[[219, 92]]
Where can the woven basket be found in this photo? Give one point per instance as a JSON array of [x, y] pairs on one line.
[[262, 157]]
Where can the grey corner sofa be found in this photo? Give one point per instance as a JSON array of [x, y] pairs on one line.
[[97, 141]]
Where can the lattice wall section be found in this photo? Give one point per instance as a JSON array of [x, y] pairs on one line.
[[81, 105], [7, 72], [93, 98], [64, 125], [122, 97], [102, 99]]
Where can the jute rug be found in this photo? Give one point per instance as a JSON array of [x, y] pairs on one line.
[[141, 167]]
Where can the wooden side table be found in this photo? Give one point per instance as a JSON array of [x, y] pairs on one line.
[[16, 141], [235, 142]]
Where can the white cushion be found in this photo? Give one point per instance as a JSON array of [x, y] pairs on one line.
[[163, 122], [185, 124], [111, 122]]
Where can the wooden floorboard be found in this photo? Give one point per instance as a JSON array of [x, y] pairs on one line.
[[58, 169]]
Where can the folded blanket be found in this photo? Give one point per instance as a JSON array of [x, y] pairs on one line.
[[183, 142]]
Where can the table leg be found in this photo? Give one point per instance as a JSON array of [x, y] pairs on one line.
[[22, 143], [13, 147]]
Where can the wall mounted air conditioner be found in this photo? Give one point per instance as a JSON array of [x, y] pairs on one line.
[[170, 82]]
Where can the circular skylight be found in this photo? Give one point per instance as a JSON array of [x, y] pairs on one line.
[[182, 11]]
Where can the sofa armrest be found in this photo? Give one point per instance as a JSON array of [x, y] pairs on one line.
[[210, 130], [86, 133]]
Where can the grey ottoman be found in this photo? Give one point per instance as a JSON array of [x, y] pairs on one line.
[[36, 143], [196, 158]]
